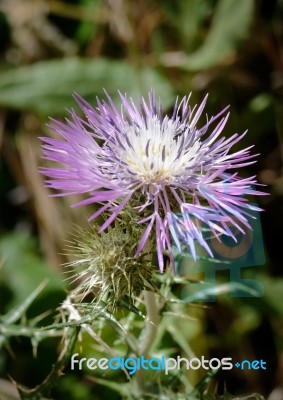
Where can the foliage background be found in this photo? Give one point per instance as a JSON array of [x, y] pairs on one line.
[[50, 49]]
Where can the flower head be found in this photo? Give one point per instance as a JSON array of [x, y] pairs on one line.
[[104, 265], [177, 176]]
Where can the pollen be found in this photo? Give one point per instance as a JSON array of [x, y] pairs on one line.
[[155, 154]]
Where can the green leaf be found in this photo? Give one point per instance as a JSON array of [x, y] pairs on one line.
[[97, 310], [180, 337], [126, 303], [17, 312], [273, 294], [218, 289], [46, 87], [203, 384], [24, 270], [187, 17], [123, 389], [230, 25], [44, 388]]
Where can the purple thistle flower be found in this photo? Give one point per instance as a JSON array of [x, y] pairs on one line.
[[176, 176]]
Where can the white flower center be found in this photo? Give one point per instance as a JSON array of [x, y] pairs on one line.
[[156, 153]]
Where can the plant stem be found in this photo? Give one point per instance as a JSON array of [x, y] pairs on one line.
[[153, 317], [148, 334], [44, 388]]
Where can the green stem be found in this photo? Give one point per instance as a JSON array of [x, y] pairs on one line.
[[44, 389], [148, 335], [150, 331]]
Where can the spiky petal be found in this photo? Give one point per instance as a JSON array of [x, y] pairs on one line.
[[172, 172]]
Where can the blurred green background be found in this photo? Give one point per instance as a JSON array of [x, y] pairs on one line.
[[49, 49]]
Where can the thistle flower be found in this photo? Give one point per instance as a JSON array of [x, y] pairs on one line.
[[178, 177]]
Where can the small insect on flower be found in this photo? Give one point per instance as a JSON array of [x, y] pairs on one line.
[[177, 176]]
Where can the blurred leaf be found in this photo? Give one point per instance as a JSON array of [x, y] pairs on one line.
[[273, 293], [46, 87], [248, 319], [261, 102], [87, 29], [123, 389], [70, 387], [201, 387], [186, 16], [23, 268], [213, 289], [17, 312], [180, 336], [230, 24]]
